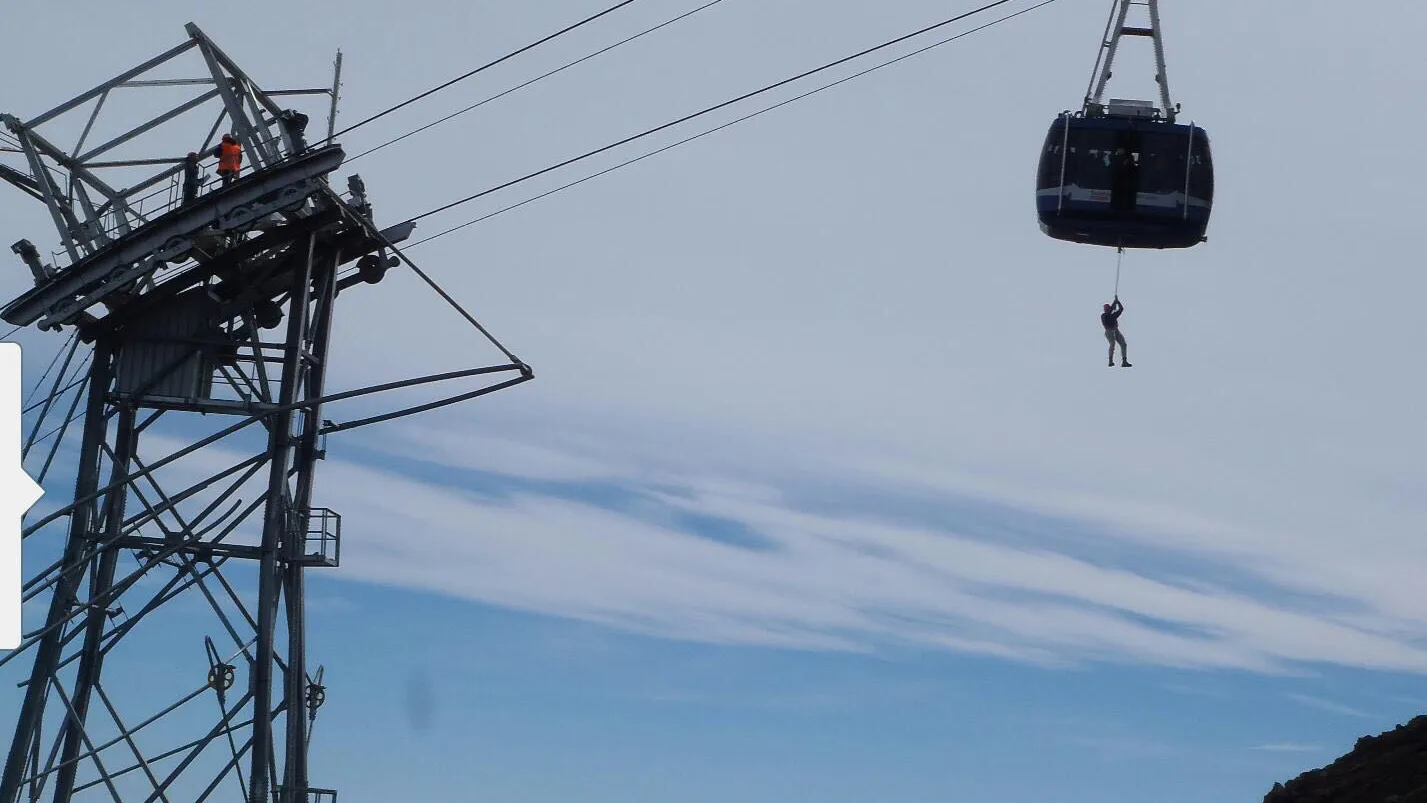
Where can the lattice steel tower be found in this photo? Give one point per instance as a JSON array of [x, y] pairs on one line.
[[206, 307]]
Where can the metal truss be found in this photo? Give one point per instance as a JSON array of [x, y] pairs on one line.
[[1116, 28], [204, 413], [99, 191]]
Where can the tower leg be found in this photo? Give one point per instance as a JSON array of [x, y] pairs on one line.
[[91, 659], [82, 519], [317, 340], [278, 536]]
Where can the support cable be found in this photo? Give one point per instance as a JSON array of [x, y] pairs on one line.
[[535, 80], [484, 67], [54, 396], [524, 369], [725, 125], [253, 419], [711, 109], [376, 234], [39, 383]]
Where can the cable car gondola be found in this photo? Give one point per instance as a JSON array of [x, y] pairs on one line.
[[1125, 174]]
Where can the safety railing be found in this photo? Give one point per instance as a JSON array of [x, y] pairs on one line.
[[321, 532], [284, 794], [169, 195]]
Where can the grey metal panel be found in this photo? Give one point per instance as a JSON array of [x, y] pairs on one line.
[[154, 360]]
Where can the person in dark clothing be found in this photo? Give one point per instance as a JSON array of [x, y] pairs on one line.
[[1124, 192], [190, 178], [295, 123], [1110, 319]]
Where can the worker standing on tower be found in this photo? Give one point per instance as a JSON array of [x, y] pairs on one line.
[[190, 178], [230, 158]]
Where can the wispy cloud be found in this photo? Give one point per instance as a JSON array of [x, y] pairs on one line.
[[331, 603], [1125, 748], [823, 581], [805, 701], [1197, 690], [1287, 747], [590, 531], [1328, 705]]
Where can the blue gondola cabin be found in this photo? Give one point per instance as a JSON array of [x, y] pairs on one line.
[[1125, 179]]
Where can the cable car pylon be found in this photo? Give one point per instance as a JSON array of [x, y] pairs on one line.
[[204, 413], [1126, 173]]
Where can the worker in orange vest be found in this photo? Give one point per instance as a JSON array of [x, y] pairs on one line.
[[230, 158]]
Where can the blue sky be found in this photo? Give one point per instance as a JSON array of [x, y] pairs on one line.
[[822, 490]]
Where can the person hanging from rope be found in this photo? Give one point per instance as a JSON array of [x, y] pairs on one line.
[[230, 158], [1110, 319]]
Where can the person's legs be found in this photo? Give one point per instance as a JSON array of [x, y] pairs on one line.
[[1110, 335], [1124, 350]]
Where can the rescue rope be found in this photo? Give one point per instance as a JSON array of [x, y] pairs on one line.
[[1119, 258]]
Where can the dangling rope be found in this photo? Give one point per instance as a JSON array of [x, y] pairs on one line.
[[1118, 260]]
